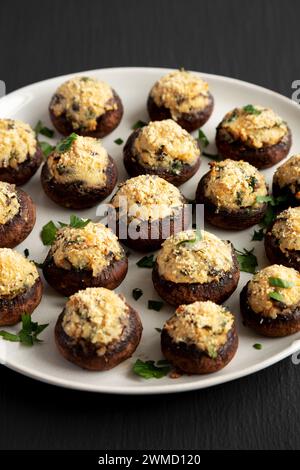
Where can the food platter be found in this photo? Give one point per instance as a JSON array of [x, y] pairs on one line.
[[43, 362]]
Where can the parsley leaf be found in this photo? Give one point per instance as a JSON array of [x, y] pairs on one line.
[[26, 252], [146, 262], [119, 141], [276, 296], [159, 330], [247, 260], [49, 230], [278, 282], [204, 142], [46, 148], [148, 369], [137, 293], [41, 129], [257, 346], [28, 335], [139, 124], [197, 238], [155, 305], [66, 143], [250, 109], [273, 203], [78, 222], [258, 235]]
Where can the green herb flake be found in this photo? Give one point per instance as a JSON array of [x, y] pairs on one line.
[[119, 141], [247, 260], [40, 128], [146, 262], [26, 252], [78, 222], [203, 140], [148, 370], [46, 148], [48, 233], [66, 143], [28, 335], [276, 296], [137, 293], [155, 305], [257, 346], [139, 124], [159, 330], [250, 109], [278, 282], [258, 235], [197, 238]]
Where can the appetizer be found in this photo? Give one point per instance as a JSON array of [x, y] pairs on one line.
[[80, 175], [147, 210], [90, 256], [282, 240], [20, 154], [162, 148], [229, 192], [21, 287], [270, 302], [183, 97], [199, 338], [86, 106], [286, 181], [195, 265], [254, 134], [97, 329]]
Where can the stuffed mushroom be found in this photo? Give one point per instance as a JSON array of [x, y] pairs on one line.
[[254, 134], [286, 182], [162, 148], [200, 338], [86, 106], [90, 256], [182, 96], [97, 329], [20, 287], [270, 301], [195, 266], [230, 193]]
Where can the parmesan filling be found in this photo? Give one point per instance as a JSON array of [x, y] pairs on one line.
[[288, 174], [9, 203], [234, 185], [286, 229], [92, 247], [259, 290], [83, 100], [164, 144], [181, 92], [85, 161], [185, 258], [17, 273], [258, 128], [17, 143], [203, 324], [96, 315], [147, 197]]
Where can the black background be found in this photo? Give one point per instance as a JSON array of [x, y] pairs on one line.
[[257, 41]]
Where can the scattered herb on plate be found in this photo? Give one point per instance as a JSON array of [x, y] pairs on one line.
[[46, 148], [139, 124], [146, 262], [137, 293], [159, 330], [119, 141], [247, 260], [257, 346], [28, 335], [203, 140], [40, 128], [26, 252], [155, 305], [149, 370], [258, 235]]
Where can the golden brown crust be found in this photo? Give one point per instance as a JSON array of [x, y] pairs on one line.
[[11, 309], [83, 353], [106, 123], [24, 170], [14, 231], [289, 258]]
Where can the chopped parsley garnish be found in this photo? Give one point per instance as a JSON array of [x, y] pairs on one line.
[[257, 346], [276, 296], [278, 282], [258, 235], [196, 239], [46, 148], [66, 143], [252, 182], [176, 167], [137, 293], [250, 109], [159, 330], [41, 129], [139, 124], [155, 305], [49, 230], [26, 252], [28, 335], [247, 260], [77, 222], [119, 141], [149, 370], [273, 203], [204, 142], [146, 262]]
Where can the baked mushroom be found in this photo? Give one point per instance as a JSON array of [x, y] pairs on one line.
[[183, 97], [20, 154], [162, 148], [90, 256], [146, 210], [286, 181], [97, 329], [199, 338], [21, 287], [86, 106], [270, 301], [254, 134], [282, 240], [195, 265], [229, 193], [80, 176], [17, 215]]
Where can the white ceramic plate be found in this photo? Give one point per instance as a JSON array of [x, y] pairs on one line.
[[43, 362]]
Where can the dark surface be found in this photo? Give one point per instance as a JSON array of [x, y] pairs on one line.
[[256, 41]]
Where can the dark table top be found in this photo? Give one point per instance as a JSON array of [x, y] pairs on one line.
[[255, 40]]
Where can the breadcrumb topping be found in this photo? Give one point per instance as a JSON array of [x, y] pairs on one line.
[[9, 203], [17, 273], [288, 174], [17, 143], [286, 229]]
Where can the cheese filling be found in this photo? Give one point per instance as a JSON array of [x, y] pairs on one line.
[[147, 197], [83, 100], [17, 143], [9, 203], [181, 92], [17, 273], [96, 315], [260, 288], [288, 174], [234, 185], [254, 125], [186, 258], [286, 229], [203, 324], [92, 247], [164, 144], [85, 161]]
